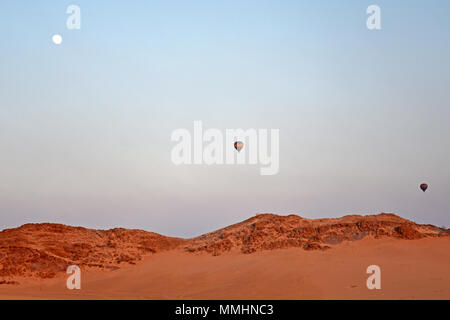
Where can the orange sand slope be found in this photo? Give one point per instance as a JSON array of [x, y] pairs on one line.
[[264, 257]]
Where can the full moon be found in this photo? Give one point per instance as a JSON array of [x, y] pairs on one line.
[[57, 39]]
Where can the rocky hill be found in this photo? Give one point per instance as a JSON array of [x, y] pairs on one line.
[[45, 250], [269, 231]]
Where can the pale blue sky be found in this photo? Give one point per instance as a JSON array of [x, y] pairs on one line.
[[85, 126]]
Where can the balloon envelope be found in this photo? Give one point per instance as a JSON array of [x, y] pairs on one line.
[[423, 187], [238, 145]]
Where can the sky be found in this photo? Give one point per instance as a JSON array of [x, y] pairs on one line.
[[85, 126]]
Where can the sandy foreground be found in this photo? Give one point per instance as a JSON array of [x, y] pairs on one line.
[[410, 269]]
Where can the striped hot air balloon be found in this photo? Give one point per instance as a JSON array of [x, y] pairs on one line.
[[238, 145]]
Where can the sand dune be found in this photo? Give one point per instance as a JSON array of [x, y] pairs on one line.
[[264, 257]]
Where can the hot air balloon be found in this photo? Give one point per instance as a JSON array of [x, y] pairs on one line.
[[424, 187], [238, 145]]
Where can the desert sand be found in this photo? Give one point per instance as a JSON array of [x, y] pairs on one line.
[[329, 262]]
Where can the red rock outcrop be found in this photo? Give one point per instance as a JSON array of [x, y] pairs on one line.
[[45, 250], [269, 231]]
